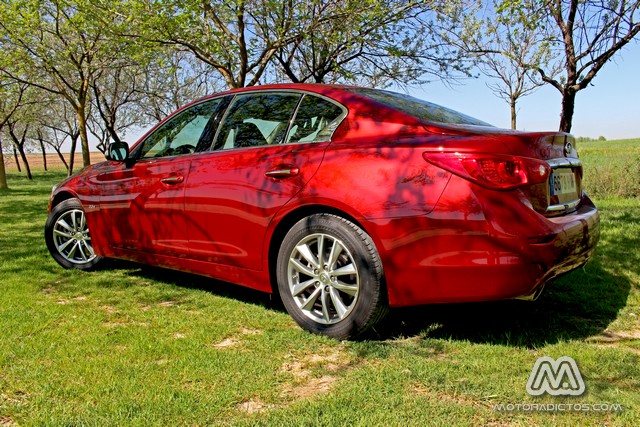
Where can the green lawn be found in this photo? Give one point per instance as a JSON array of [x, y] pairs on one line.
[[136, 345], [612, 167]]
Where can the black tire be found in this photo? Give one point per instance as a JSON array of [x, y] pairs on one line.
[[67, 236], [340, 294]]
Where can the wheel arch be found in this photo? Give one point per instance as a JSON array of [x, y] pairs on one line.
[[61, 196]]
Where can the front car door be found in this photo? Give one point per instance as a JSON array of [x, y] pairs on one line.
[[143, 203]]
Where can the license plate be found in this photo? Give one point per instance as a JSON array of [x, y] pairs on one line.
[[562, 182]]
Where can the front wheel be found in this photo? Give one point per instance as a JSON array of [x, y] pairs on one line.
[[67, 236], [330, 277]]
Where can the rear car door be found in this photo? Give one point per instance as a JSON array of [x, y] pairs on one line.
[[143, 203], [268, 146]]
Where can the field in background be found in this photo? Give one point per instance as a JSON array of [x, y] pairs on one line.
[[142, 346], [612, 168], [36, 161]]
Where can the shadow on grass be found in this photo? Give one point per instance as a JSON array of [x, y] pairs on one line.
[[194, 281], [578, 305]]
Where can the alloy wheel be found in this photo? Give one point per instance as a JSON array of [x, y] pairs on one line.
[[71, 237], [323, 278]]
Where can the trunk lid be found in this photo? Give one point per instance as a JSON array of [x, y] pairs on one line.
[[563, 191]]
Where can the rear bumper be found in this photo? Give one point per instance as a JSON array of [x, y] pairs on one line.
[[482, 253], [573, 245]]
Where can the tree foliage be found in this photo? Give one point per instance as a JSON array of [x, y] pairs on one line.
[[514, 55], [170, 81], [257, 41], [367, 42], [237, 38], [59, 47], [584, 35], [129, 62], [521, 43]]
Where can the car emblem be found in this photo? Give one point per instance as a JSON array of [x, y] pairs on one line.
[[568, 148]]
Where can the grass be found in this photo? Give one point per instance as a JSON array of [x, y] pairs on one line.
[[613, 167], [135, 345]]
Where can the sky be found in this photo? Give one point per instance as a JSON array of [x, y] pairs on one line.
[[610, 107]]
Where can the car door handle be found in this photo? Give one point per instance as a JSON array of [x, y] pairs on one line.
[[283, 172], [172, 180]]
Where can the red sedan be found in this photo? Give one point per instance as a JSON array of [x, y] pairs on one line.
[[345, 201]]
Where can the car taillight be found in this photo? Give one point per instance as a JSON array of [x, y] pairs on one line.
[[494, 171]]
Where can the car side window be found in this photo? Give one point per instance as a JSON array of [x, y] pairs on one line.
[[315, 121], [183, 134], [256, 119]]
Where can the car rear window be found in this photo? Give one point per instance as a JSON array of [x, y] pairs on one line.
[[418, 108]]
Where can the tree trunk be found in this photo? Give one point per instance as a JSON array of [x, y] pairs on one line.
[[84, 136], [64, 161], [15, 157], [44, 155], [25, 162], [3, 172], [568, 107], [72, 154], [514, 114]]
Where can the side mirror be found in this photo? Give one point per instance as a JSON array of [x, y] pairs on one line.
[[118, 151]]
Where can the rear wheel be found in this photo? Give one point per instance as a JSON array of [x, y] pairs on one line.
[[330, 277], [68, 238]]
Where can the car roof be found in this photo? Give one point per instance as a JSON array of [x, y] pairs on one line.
[[310, 87]]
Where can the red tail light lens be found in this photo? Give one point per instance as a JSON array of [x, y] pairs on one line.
[[494, 171]]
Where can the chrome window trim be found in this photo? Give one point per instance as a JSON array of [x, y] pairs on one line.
[[302, 93]]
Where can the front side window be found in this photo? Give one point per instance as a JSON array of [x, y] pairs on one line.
[[256, 119], [185, 133]]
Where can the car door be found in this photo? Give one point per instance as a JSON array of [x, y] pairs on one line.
[[143, 203], [268, 146]]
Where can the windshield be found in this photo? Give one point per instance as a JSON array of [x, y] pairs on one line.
[[418, 108]]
